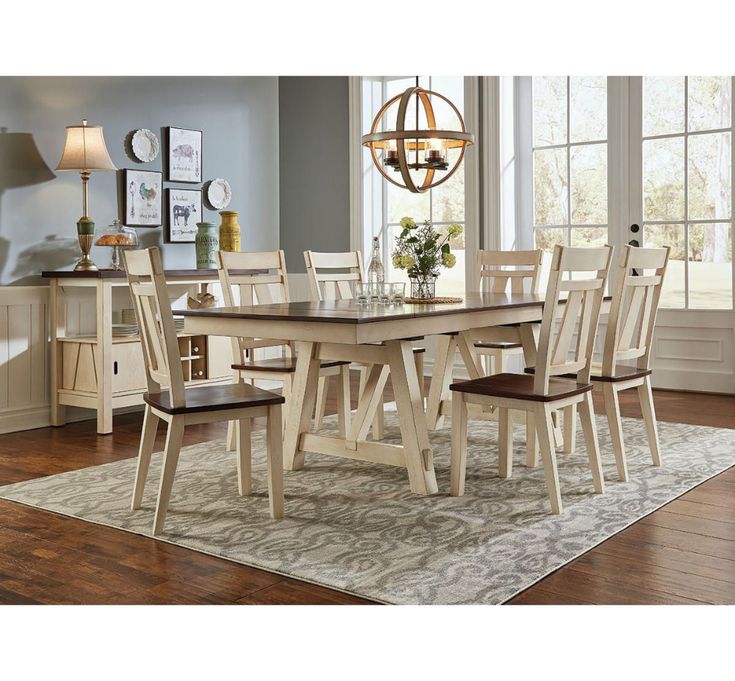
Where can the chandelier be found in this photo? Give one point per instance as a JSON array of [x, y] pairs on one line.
[[425, 151]]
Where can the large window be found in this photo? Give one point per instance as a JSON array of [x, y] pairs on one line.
[[687, 186], [570, 161], [387, 204]]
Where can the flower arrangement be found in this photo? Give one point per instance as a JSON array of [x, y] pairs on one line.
[[422, 250]]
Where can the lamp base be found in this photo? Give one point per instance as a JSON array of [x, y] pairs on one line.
[[85, 234], [85, 265]]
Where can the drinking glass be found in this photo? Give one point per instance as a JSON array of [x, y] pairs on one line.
[[383, 293], [375, 288], [397, 292], [362, 293]]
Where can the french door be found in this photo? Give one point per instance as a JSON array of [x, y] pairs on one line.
[[643, 160], [680, 194]]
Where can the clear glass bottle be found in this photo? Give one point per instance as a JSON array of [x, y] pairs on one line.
[[375, 273]]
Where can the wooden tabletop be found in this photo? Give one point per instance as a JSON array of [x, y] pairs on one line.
[[350, 312]]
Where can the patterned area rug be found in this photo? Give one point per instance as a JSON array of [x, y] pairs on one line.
[[355, 526]]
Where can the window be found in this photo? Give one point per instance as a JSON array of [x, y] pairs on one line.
[[385, 204], [570, 161], [687, 186]]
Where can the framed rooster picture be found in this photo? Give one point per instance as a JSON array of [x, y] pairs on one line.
[[184, 155], [143, 198], [184, 211]]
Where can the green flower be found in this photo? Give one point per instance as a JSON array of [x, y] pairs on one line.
[[454, 231], [406, 262], [449, 259], [407, 223]]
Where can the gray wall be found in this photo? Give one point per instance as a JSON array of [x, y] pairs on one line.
[[314, 166], [239, 118]]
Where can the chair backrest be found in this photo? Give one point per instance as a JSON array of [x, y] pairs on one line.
[[632, 317], [254, 288], [332, 276], [493, 269], [581, 309], [155, 322]]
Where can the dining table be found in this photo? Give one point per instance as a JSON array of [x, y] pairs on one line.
[[383, 338]]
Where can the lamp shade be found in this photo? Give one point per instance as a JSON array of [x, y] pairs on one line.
[[85, 149]]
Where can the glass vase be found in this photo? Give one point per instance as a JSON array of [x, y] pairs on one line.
[[423, 286]]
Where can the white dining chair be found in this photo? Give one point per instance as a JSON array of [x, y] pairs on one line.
[[167, 399], [544, 393]]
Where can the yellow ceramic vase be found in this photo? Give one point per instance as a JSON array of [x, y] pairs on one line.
[[229, 231]]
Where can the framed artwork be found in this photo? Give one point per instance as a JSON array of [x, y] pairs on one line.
[[184, 211], [143, 198], [184, 155]]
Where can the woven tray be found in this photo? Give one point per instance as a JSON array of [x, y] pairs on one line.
[[431, 301]]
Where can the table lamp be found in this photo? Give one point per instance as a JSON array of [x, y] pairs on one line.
[[85, 152]]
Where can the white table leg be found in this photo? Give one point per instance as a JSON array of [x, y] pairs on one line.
[[415, 436], [303, 396], [441, 377]]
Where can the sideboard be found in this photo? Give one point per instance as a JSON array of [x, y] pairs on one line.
[[101, 371]]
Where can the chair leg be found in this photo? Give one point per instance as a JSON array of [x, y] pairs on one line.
[[244, 458], [286, 392], [532, 449], [147, 440], [379, 422], [587, 417], [612, 409], [458, 464], [174, 438], [505, 442], [274, 447], [645, 395], [545, 431], [231, 444], [321, 402], [569, 425], [419, 359], [343, 400]]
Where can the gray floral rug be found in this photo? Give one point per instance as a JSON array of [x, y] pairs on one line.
[[355, 526]]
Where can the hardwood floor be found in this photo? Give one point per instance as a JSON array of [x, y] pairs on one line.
[[682, 553]]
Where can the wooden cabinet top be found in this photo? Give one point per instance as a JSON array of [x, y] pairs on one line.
[[120, 274]]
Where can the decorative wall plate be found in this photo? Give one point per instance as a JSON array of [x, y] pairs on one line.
[[145, 145], [219, 193]]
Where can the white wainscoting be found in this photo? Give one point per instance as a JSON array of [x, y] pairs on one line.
[[24, 384], [695, 350]]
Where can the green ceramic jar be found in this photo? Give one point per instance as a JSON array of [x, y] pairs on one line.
[[207, 245]]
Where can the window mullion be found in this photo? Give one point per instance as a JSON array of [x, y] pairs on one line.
[[686, 192]]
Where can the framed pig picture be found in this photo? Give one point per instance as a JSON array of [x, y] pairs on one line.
[[184, 211], [184, 155], [143, 198]]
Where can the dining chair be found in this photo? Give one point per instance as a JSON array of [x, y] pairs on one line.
[[629, 336], [332, 276], [168, 400], [261, 278], [543, 392]]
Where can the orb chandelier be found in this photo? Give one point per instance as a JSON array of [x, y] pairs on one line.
[[403, 149]]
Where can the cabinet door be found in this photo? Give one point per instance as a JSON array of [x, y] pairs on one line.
[[219, 357], [128, 371]]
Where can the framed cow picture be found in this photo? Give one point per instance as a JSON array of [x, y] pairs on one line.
[[184, 211], [143, 198], [184, 155]]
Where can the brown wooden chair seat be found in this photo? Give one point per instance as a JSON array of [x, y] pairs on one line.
[[520, 387], [283, 364], [622, 373], [500, 345], [215, 398]]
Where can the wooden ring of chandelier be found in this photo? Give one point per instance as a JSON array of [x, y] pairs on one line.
[[413, 140]]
